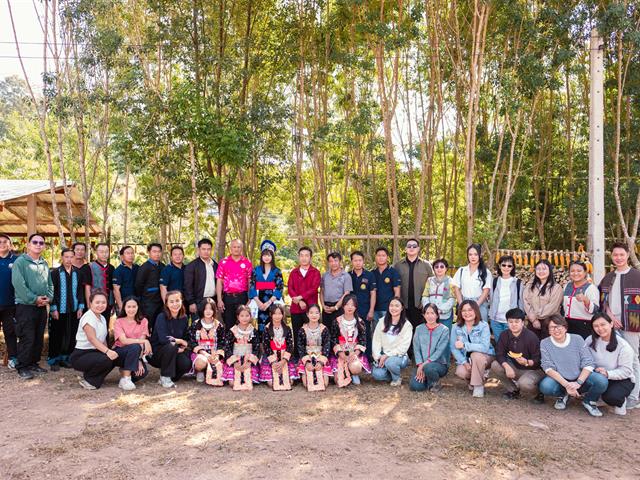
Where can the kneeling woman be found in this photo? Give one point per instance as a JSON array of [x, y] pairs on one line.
[[277, 346], [131, 333], [170, 341], [241, 347], [314, 343], [471, 346], [391, 341], [613, 357], [206, 340], [431, 348], [348, 337], [91, 355]]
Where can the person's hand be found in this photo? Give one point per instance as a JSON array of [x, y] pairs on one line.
[[237, 365], [459, 345], [55, 315], [467, 365], [509, 371], [353, 356], [522, 361], [617, 324], [536, 324], [302, 305], [309, 367], [329, 309], [111, 354], [221, 305], [79, 314], [146, 348], [420, 374], [602, 371], [140, 371], [370, 316], [40, 302], [193, 309], [181, 342], [572, 389], [318, 366], [381, 360]]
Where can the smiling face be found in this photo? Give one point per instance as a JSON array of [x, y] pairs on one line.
[[5, 246], [236, 248], [620, 258], [430, 316], [80, 252], [506, 267], [131, 308], [36, 245], [174, 303], [313, 315], [468, 314], [542, 272], [602, 328], [267, 257], [99, 304], [208, 312], [557, 332], [577, 273], [395, 307], [440, 269], [276, 317], [177, 256]]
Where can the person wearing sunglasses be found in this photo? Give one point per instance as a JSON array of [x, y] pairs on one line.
[[33, 287], [506, 293]]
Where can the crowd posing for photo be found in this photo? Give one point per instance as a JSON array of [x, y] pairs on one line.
[[227, 323]]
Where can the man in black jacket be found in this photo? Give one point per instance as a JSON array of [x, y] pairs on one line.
[[147, 284], [200, 277]]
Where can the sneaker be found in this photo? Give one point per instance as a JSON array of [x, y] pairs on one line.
[[478, 392], [355, 379], [25, 374], [37, 369], [126, 384], [621, 410], [538, 399], [632, 403], [436, 387], [511, 395], [200, 377], [12, 363], [166, 382], [561, 403], [592, 409], [86, 385], [396, 383]]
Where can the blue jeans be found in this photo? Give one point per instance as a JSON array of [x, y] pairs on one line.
[[497, 328], [392, 368], [448, 322], [432, 373], [594, 386]]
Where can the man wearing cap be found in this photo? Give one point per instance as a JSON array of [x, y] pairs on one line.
[[200, 277], [334, 286], [33, 288], [7, 298], [232, 288], [302, 285], [414, 273]]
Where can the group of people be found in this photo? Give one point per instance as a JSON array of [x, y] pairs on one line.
[[216, 321]]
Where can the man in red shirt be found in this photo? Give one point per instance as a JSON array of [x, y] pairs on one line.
[[303, 285], [232, 287]]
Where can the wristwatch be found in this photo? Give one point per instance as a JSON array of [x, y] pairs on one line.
[[579, 382]]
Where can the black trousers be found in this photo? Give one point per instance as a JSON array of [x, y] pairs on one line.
[[95, 365], [129, 359], [151, 309], [231, 304], [579, 327], [31, 322], [328, 318], [7, 319], [415, 317], [617, 392], [62, 335], [171, 363], [297, 321]]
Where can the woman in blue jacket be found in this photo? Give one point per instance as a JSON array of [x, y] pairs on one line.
[[431, 349], [471, 346]]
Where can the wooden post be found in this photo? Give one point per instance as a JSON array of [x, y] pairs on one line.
[[32, 219], [596, 156]]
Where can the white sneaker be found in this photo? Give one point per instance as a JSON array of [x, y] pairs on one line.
[[592, 409], [12, 364], [621, 410], [126, 383], [632, 403], [166, 382], [396, 383], [86, 385], [478, 392], [561, 403], [200, 377]]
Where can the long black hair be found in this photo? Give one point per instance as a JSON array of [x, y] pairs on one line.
[[266, 251], [388, 319], [352, 298], [551, 281], [613, 341], [506, 258], [123, 313], [482, 269]]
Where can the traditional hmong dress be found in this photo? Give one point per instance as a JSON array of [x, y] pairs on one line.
[[264, 287], [238, 344], [348, 336], [209, 338], [314, 343], [276, 340]]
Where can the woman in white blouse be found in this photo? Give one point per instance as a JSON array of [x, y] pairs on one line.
[[391, 341], [581, 298], [473, 282]]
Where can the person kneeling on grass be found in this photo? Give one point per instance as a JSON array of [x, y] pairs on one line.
[[517, 363], [131, 333], [431, 348], [471, 346], [92, 356], [614, 359], [169, 341], [569, 368], [391, 341], [206, 339]]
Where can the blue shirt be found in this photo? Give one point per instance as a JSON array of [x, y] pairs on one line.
[[362, 287], [7, 297], [386, 281], [126, 278], [172, 277]]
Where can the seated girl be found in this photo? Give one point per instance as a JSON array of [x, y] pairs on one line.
[[314, 346], [431, 349], [391, 341], [277, 347], [206, 340], [131, 333], [242, 346]]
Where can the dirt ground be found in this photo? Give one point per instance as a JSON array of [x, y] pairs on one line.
[[52, 428]]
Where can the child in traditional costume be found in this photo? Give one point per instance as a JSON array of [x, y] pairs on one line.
[[242, 346], [277, 347], [206, 340], [314, 348], [348, 337]]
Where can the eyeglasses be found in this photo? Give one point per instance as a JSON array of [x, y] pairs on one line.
[[506, 265], [439, 266], [412, 245], [37, 242], [556, 327]]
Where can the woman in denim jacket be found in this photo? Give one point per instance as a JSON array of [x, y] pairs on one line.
[[471, 346]]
